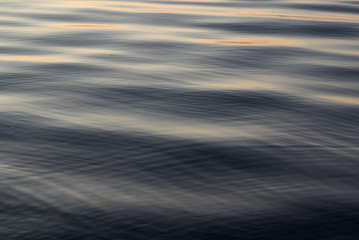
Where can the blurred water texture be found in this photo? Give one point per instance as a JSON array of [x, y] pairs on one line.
[[191, 119]]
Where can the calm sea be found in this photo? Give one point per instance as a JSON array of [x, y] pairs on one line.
[[179, 120]]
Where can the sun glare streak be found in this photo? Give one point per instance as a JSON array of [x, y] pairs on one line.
[[90, 26], [244, 85], [339, 99], [33, 59], [253, 41]]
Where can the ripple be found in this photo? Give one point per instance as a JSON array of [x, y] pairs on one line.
[[166, 119]]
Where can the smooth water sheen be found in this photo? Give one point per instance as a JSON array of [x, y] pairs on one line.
[[179, 120]]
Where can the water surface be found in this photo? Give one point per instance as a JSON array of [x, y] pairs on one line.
[[191, 119]]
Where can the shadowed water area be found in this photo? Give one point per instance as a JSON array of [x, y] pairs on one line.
[[187, 119]]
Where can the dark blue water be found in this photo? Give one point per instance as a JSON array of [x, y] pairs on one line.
[[188, 120]]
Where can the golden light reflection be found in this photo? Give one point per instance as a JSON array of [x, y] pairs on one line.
[[244, 85], [301, 17], [173, 36], [253, 41], [207, 10], [149, 7], [134, 4], [90, 26], [33, 58], [201, 10], [95, 51], [194, 1], [339, 99]]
